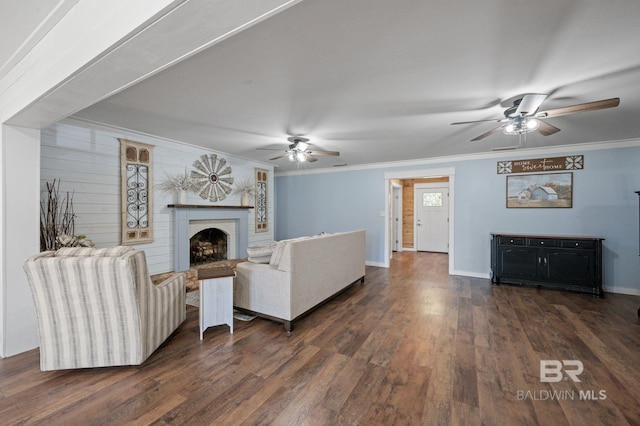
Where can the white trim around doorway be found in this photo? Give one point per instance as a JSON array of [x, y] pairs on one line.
[[419, 174]]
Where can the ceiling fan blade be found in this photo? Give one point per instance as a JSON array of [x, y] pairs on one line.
[[310, 158], [546, 129], [530, 104], [588, 106], [323, 152], [269, 149], [497, 120], [490, 132], [286, 154]]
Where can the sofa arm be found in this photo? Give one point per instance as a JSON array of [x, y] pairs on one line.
[[166, 312], [178, 280], [263, 289]]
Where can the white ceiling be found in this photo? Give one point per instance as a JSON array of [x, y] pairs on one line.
[[381, 80], [23, 24]]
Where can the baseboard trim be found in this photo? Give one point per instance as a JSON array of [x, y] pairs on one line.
[[622, 290], [471, 274], [614, 290]]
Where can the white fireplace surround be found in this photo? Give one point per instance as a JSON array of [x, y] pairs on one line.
[[225, 225], [183, 215]]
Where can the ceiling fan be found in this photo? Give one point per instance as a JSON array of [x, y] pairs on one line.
[[523, 117], [299, 151]]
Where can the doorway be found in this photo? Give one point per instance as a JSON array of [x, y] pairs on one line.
[[432, 217], [437, 172]]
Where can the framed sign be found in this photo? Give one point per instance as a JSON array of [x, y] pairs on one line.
[[547, 190], [572, 162]]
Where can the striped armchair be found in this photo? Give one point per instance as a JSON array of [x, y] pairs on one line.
[[98, 307]]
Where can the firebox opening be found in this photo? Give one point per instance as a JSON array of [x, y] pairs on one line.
[[208, 245]]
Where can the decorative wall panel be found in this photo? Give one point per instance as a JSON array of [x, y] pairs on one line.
[[262, 223], [136, 178]]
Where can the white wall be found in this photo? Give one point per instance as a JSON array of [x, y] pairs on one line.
[[20, 238], [86, 159]]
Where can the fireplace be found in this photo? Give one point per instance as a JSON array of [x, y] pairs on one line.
[[208, 245], [188, 220], [211, 240]]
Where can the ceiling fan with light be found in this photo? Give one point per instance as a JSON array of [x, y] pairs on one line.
[[523, 117], [299, 151]]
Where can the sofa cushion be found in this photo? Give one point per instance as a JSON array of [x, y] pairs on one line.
[[280, 253], [276, 257]]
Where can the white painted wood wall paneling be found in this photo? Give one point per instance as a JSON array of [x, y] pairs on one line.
[[86, 159]]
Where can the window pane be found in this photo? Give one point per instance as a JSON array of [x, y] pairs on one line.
[[432, 199]]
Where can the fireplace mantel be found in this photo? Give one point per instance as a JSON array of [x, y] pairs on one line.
[[205, 206], [183, 213]]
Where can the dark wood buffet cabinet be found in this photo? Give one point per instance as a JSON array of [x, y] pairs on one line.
[[562, 262]]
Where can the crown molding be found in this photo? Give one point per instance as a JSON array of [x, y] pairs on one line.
[[82, 122], [522, 152]]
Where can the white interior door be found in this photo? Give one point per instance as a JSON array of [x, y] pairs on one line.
[[432, 218]]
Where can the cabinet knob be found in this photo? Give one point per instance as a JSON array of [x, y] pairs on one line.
[[541, 243], [577, 244], [511, 240]]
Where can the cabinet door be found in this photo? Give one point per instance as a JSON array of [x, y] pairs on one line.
[[573, 267], [517, 262]]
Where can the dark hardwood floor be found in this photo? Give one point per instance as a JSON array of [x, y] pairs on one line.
[[412, 346]]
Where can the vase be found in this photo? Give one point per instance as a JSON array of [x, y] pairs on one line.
[[245, 199], [181, 197]]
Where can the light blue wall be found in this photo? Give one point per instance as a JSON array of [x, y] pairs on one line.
[[333, 202], [604, 205]]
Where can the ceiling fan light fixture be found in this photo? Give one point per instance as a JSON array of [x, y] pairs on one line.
[[520, 125], [300, 156], [532, 124], [510, 129]]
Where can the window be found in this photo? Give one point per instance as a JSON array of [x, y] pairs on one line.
[[432, 199]]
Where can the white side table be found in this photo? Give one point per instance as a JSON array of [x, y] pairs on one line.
[[216, 297]]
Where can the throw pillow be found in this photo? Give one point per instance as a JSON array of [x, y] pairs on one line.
[[259, 259], [261, 251], [277, 253]]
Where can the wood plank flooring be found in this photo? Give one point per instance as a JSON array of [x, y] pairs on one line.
[[412, 346]]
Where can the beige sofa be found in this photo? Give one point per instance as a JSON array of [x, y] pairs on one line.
[[301, 274]]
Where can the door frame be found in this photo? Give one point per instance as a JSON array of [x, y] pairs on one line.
[[396, 213], [417, 174], [416, 188]]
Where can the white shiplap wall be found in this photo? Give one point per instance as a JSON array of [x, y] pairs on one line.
[[86, 160]]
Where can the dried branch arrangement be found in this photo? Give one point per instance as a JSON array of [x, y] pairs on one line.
[[56, 216]]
